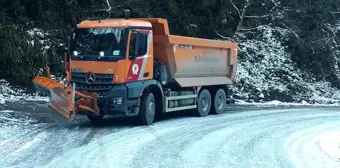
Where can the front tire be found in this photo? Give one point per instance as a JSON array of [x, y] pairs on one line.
[[220, 100], [147, 109], [204, 103]]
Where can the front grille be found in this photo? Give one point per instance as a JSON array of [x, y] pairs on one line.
[[102, 84]]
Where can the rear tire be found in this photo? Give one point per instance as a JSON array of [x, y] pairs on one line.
[[219, 102], [95, 119], [204, 103], [147, 109]]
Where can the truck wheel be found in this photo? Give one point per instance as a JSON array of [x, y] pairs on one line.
[[204, 103], [147, 109], [220, 99], [95, 119]]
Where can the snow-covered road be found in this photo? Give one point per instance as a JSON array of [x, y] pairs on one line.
[[243, 138]]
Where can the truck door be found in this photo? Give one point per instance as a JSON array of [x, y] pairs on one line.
[[139, 55]]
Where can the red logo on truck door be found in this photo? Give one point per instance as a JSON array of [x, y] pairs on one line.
[[135, 69]]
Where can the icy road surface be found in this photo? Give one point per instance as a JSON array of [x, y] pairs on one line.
[[242, 138]]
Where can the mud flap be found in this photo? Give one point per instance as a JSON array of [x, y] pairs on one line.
[[65, 100]]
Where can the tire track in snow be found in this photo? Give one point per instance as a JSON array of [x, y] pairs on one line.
[[16, 134], [304, 149], [261, 145], [112, 150], [236, 141], [186, 132], [193, 145]]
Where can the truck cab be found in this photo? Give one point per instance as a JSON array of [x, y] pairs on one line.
[[111, 58]]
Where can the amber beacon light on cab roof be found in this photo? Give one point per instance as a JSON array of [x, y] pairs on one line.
[[134, 67]]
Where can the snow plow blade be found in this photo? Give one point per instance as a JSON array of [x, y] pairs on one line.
[[65, 100]]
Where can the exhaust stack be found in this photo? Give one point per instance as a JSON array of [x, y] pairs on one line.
[[127, 13]]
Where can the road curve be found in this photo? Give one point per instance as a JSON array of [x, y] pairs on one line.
[[245, 138]]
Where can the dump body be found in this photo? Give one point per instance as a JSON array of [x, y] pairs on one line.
[[194, 61]]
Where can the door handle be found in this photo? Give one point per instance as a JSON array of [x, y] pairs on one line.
[[146, 75]]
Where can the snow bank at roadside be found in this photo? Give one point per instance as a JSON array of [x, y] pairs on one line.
[[11, 94], [279, 103]]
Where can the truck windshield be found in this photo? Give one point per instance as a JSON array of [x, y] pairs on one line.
[[98, 42]]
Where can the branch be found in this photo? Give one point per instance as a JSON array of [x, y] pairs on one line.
[[256, 17], [220, 35], [335, 12], [254, 28], [238, 10], [70, 2], [106, 10], [244, 11], [108, 5], [292, 31], [327, 39], [193, 25]]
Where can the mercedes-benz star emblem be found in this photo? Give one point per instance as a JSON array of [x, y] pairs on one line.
[[90, 78]]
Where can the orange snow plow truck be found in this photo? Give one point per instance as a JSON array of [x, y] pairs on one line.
[[135, 68]]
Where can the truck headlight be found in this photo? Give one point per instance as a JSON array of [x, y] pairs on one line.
[[117, 101], [75, 53], [101, 54]]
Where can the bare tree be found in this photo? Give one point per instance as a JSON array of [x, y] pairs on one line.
[[108, 5], [243, 14]]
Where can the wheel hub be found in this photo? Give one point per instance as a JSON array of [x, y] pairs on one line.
[[151, 109], [204, 104], [219, 102]]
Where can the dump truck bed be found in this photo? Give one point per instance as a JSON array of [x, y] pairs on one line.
[[194, 61]]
